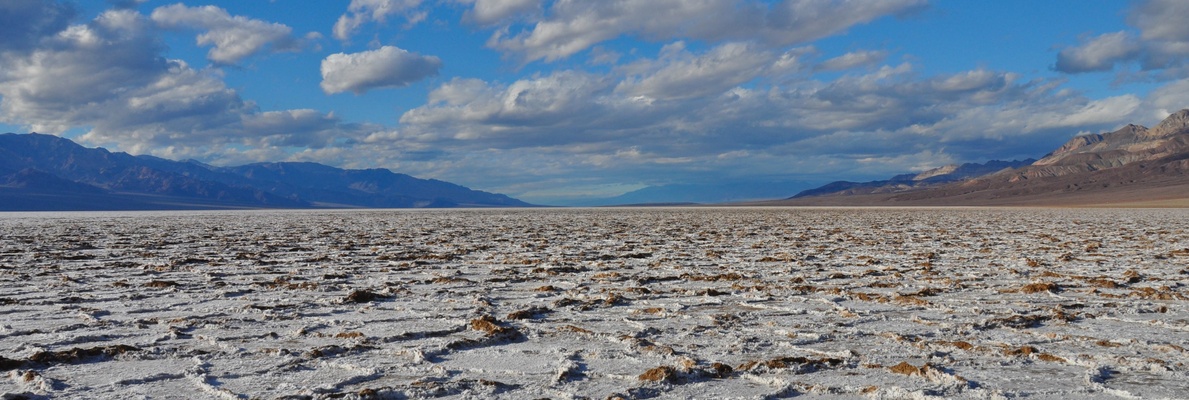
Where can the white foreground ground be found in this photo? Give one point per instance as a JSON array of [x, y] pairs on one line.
[[635, 303]]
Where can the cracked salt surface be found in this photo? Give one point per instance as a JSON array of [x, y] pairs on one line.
[[581, 303]]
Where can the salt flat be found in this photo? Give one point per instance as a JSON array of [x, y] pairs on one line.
[[597, 303]]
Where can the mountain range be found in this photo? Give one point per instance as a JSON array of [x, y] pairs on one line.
[[1134, 165], [899, 183], [699, 193], [45, 172]]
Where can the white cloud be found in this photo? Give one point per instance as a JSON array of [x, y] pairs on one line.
[[292, 128], [853, 60], [1165, 33], [1168, 99], [890, 112], [24, 23], [1161, 19], [1162, 43], [233, 38], [1103, 113], [79, 71], [179, 108], [680, 74], [553, 108], [795, 21], [915, 162], [578, 128], [979, 79], [1110, 110], [572, 26], [1099, 54], [600, 55], [489, 12], [108, 77], [360, 12], [387, 66]]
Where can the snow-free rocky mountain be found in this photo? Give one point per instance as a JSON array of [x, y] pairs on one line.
[[45, 172], [699, 193], [900, 183], [1133, 165]]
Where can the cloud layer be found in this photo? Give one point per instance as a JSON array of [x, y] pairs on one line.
[[232, 38], [24, 23], [489, 12], [387, 66], [360, 12], [1162, 42], [108, 76], [573, 26]]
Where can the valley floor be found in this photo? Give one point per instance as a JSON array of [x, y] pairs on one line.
[[597, 303]]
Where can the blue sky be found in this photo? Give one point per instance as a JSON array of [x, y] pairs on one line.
[[554, 101]]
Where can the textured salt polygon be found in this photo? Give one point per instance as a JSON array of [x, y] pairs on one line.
[[686, 303]]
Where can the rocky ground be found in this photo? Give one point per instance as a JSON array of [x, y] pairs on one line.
[[578, 303]]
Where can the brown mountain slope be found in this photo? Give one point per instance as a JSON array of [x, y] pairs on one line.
[[1134, 165]]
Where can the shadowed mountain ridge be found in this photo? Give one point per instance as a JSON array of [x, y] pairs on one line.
[[45, 172]]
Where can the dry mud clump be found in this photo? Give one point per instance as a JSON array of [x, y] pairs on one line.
[[623, 303]]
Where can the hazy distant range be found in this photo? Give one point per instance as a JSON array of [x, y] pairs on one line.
[[45, 172], [1134, 165]]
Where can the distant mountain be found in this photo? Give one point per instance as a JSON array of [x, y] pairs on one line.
[[907, 182], [701, 194], [368, 187], [45, 172], [1133, 165]]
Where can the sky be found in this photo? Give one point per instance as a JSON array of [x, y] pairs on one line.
[[557, 101]]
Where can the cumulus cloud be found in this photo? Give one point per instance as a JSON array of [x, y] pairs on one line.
[[561, 107], [651, 98], [1164, 33], [387, 66], [24, 23], [1110, 110], [853, 60], [888, 116], [489, 12], [1074, 115], [360, 12], [976, 80], [1168, 99], [233, 38], [81, 69], [573, 26], [1161, 19], [1100, 53], [887, 119], [680, 74], [1162, 43], [108, 77], [294, 128], [892, 119]]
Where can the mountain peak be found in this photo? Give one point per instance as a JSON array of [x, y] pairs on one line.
[[1175, 123], [1074, 151], [943, 170]]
